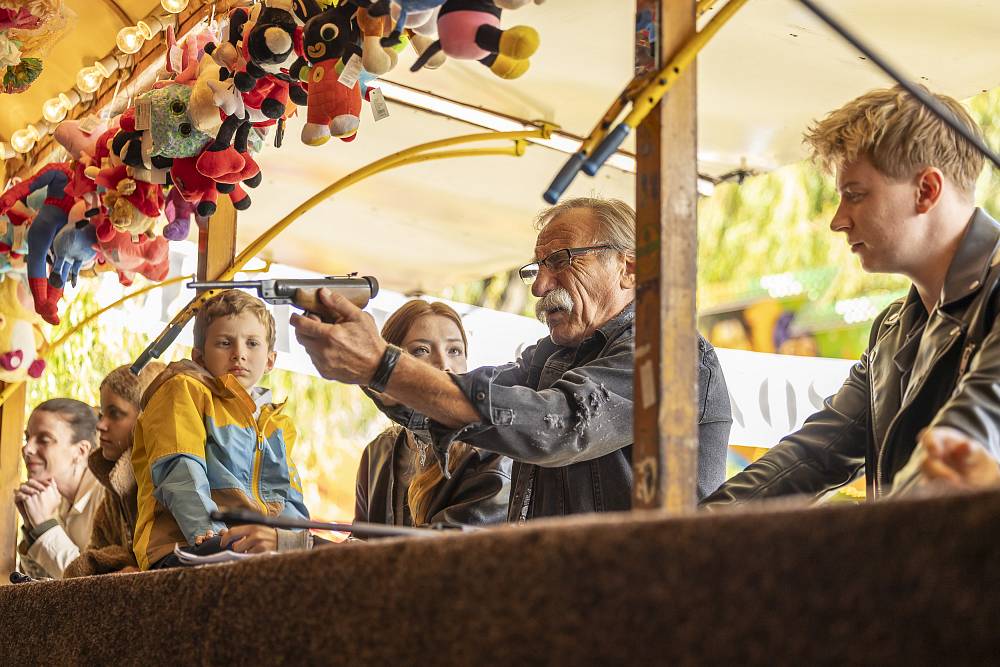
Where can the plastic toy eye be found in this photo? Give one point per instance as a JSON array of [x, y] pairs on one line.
[[184, 129], [329, 32], [177, 107]]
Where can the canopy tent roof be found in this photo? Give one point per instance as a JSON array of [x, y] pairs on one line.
[[770, 71]]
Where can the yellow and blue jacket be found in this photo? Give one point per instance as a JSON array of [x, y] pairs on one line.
[[198, 446]]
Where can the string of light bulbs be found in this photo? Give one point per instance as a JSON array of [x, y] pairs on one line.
[[129, 41]]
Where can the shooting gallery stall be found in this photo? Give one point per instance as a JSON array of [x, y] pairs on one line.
[[443, 190]]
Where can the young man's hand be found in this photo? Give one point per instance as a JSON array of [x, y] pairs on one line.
[[207, 536], [251, 539], [954, 460]]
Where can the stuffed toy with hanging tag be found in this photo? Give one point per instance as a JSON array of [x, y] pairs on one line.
[[334, 109], [470, 30]]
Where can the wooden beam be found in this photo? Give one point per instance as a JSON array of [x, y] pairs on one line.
[[217, 241], [665, 454], [11, 438]]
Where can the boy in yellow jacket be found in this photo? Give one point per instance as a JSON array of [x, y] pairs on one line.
[[208, 437]]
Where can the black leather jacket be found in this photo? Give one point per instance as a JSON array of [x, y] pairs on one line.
[[917, 372], [565, 416], [476, 494]]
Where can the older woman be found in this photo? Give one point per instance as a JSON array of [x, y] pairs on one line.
[[58, 501], [399, 480]]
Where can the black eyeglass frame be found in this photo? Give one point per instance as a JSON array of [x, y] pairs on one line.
[[570, 254]]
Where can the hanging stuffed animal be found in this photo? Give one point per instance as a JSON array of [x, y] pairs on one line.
[[470, 30], [333, 108], [14, 231], [131, 205], [20, 338], [375, 58], [149, 257], [73, 250], [54, 178], [179, 213]]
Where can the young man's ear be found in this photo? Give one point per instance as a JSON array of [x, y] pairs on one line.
[[271, 357], [197, 356], [628, 272], [930, 182]]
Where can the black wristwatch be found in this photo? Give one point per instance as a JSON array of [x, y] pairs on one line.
[[385, 367]]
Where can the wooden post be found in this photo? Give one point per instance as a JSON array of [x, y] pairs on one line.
[[217, 242], [11, 437], [665, 454]]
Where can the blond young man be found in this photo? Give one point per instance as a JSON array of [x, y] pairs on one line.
[[907, 187], [209, 437]]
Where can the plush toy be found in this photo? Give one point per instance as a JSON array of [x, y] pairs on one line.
[[131, 205], [179, 213], [375, 58], [333, 109], [201, 190], [20, 338], [417, 15], [14, 231], [149, 257], [51, 217], [73, 250], [470, 30]]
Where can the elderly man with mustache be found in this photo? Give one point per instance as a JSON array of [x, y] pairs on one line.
[[563, 411]]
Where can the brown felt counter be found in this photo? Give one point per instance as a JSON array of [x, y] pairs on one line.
[[911, 582]]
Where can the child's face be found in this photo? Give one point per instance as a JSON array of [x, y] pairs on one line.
[[114, 428], [236, 344]]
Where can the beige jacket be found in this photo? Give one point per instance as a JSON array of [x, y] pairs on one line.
[[57, 547]]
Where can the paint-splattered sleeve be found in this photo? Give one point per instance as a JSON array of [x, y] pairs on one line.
[[585, 414]]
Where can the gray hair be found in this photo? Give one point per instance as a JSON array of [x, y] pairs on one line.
[[615, 219]]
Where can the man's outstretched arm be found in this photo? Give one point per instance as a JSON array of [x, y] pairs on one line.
[[351, 350]]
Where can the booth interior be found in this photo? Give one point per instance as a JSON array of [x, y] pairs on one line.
[[434, 191]]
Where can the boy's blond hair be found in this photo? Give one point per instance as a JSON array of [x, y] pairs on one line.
[[899, 135], [130, 386], [228, 303]]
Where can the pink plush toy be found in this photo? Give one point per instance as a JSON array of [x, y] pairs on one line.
[[148, 257]]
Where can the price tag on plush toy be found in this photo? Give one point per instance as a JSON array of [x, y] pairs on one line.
[[143, 114], [377, 101], [17, 241], [89, 124], [351, 73]]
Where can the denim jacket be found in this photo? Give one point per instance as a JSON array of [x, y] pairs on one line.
[[564, 415]]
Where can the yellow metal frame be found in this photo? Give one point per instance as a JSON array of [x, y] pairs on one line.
[[646, 90], [421, 153]]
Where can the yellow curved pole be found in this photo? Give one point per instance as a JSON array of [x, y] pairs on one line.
[[413, 155]]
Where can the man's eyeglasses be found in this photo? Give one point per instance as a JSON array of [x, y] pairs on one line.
[[555, 262]]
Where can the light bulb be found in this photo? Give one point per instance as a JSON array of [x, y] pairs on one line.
[[107, 66], [53, 110], [88, 79], [174, 6], [70, 99], [129, 39], [149, 26], [24, 139]]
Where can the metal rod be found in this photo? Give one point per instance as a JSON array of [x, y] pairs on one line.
[[928, 101], [358, 528]]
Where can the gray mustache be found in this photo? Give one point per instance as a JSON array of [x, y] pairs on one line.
[[557, 299]]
